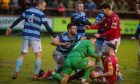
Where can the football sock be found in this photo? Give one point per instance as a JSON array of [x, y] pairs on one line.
[[37, 66], [57, 76], [87, 72], [58, 68], [18, 64]]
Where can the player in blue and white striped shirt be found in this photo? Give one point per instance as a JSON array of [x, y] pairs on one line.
[[80, 18], [33, 17], [65, 42]]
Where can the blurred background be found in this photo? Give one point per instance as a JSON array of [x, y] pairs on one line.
[[59, 12], [65, 7]]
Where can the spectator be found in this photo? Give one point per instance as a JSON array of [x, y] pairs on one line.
[[90, 5], [120, 5], [61, 9], [25, 4], [4, 6], [15, 7]]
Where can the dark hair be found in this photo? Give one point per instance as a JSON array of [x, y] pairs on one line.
[[39, 1], [105, 5], [89, 36], [112, 46], [70, 25]]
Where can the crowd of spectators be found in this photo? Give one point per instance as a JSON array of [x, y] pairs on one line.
[[60, 7]]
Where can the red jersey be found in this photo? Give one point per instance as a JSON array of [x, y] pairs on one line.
[[112, 61], [112, 27]]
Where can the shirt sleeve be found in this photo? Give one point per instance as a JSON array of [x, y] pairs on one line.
[[99, 17], [110, 65], [44, 19], [91, 51]]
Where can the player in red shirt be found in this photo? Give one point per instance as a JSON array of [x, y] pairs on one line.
[[111, 67], [111, 25]]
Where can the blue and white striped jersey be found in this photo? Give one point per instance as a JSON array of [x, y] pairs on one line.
[[99, 17], [34, 17], [63, 37], [79, 18]]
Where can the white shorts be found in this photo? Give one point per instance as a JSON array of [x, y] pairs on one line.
[[36, 46], [115, 42]]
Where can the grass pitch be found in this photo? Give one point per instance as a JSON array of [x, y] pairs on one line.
[[10, 48]]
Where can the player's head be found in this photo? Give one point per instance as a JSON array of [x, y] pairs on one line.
[[41, 4], [79, 6], [111, 47], [71, 27], [105, 8], [91, 37]]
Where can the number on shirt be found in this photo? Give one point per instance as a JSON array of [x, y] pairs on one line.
[[31, 18]]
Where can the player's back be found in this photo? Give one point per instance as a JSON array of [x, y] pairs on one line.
[[81, 49], [33, 20], [33, 15]]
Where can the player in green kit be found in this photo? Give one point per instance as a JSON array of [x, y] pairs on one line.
[[76, 59]]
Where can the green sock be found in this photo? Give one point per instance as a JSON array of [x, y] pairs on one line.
[[88, 72], [57, 76]]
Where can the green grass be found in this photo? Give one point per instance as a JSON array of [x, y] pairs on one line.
[[10, 48]]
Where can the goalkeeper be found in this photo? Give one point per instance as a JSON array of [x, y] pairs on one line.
[[76, 59]]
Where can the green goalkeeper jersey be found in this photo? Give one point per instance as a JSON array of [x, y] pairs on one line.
[[82, 49]]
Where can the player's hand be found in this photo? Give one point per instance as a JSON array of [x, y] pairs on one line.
[[68, 45], [86, 27], [95, 74], [63, 44], [97, 35], [8, 32], [133, 38]]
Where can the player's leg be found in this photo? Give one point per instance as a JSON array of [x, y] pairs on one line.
[[64, 76], [77, 75], [98, 49], [104, 51], [59, 59], [19, 61], [64, 79], [89, 67], [117, 43], [37, 48], [65, 72]]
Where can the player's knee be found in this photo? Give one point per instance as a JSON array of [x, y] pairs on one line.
[[23, 54], [38, 54], [64, 80], [91, 64]]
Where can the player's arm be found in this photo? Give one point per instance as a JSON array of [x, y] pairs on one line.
[[9, 30], [113, 27], [91, 51], [109, 73], [56, 42], [49, 29]]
